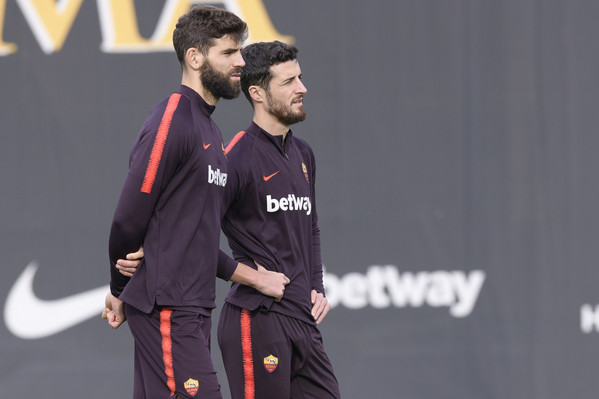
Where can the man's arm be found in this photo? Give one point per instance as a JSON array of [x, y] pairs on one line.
[[127, 233], [113, 310], [267, 282], [320, 304], [152, 163], [129, 226]]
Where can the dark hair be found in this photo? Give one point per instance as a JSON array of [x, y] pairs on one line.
[[259, 57], [201, 25]]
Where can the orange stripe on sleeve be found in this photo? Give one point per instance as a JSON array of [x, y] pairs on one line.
[[246, 348], [167, 348], [236, 139], [159, 143]]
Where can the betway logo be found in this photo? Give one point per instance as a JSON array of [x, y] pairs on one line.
[[216, 177], [384, 286], [289, 203]]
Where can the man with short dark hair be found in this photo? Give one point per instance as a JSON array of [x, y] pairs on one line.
[[274, 349]]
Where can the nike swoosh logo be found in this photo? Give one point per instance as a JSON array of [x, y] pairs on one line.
[[29, 317], [206, 145], [267, 178]]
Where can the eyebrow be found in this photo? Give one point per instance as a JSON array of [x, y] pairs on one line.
[[231, 50], [291, 78]]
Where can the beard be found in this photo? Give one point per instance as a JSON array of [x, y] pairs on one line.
[[218, 83], [283, 112]]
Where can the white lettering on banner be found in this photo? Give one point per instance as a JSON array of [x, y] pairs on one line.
[[589, 318], [289, 203], [51, 22], [216, 177], [383, 287]]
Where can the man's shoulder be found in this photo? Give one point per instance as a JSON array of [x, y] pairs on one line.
[[303, 145], [240, 145], [174, 108]]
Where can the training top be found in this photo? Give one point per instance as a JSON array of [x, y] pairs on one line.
[[271, 219], [171, 205]]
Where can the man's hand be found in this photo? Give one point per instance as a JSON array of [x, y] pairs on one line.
[[107, 306], [271, 283], [128, 266], [264, 281], [321, 306], [114, 311]]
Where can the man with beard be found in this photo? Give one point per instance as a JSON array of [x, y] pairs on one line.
[[273, 348], [171, 204]]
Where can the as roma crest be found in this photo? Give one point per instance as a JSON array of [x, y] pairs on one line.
[[191, 386], [271, 363], [305, 171]]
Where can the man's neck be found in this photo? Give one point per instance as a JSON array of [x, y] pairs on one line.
[[270, 124]]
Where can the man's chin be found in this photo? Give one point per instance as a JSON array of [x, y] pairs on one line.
[[230, 95]]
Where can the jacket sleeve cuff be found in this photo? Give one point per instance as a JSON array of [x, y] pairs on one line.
[[226, 266]]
